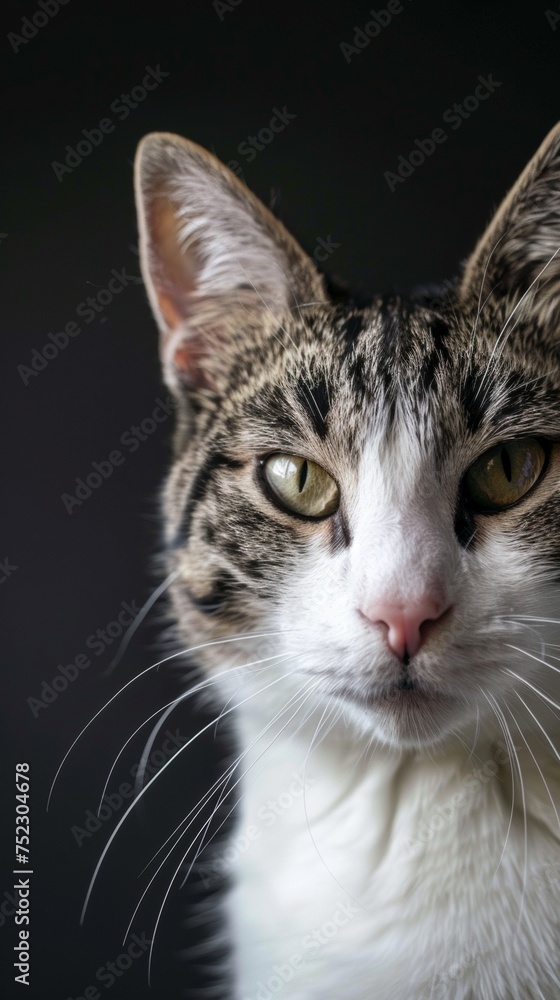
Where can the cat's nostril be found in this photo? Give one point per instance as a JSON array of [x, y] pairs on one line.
[[406, 626]]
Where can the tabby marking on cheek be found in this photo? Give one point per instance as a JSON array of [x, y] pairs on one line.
[[216, 600], [198, 490]]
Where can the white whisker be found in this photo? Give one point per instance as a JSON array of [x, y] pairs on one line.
[[208, 794], [154, 666], [201, 803], [544, 781], [511, 748], [533, 618], [177, 870], [482, 283], [313, 841], [140, 774], [150, 783], [514, 310], [537, 690], [125, 744], [501, 715], [533, 657], [541, 727], [306, 692], [213, 679], [135, 625]]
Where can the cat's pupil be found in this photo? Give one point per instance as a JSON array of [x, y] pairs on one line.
[[506, 464], [302, 476]]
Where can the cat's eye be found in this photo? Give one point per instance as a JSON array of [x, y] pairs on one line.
[[301, 486], [504, 474]]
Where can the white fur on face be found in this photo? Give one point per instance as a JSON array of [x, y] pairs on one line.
[[403, 545]]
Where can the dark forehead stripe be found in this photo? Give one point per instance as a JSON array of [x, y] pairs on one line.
[[391, 344], [198, 491], [429, 369], [440, 332], [393, 330], [350, 330], [475, 399], [436, 357], [509, 396], [275, 407], [314, 399], [412, 346]]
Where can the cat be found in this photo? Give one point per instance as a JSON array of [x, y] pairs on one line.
[[362, 520]]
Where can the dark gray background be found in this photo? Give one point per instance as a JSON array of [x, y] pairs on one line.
[[226, 75]]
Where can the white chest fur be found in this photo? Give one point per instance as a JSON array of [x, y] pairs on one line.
[[395, 877]]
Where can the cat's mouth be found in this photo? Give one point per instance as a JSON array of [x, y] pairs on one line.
[[405, 692], [403, 698], [405, 712]]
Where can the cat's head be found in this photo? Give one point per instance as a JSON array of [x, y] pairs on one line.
[[371, 496]]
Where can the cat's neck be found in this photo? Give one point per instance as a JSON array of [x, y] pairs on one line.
[[331, 831], [405, 790]]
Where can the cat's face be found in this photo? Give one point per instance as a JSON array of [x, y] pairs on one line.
[[370, 496]]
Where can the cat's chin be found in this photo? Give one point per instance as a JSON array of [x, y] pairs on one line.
[[405, 716]]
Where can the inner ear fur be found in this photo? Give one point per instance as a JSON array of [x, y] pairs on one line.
[[210, 253]]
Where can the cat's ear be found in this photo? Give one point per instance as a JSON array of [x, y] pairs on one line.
[[213, 258], [518, 257]]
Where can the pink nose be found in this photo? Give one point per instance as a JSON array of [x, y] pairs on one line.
[[407, 624]]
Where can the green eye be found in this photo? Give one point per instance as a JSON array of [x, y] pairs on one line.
[[301, 486], [504, 474]]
